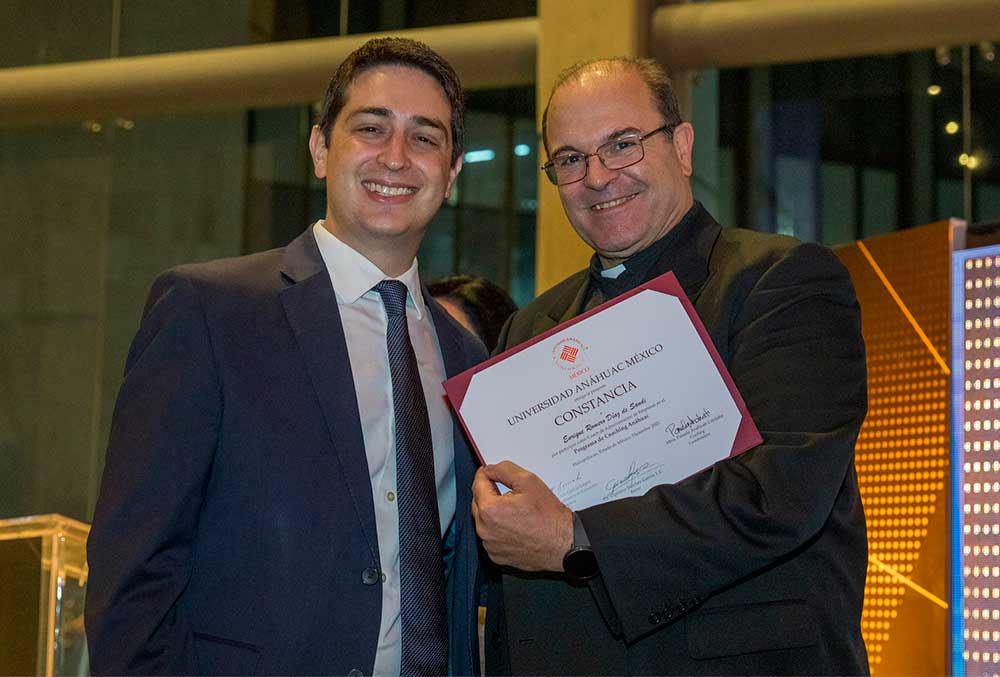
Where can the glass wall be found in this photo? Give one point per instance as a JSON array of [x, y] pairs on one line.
[[94, 210], [35, 32], [840, 150], [91, 215], [828, 151]]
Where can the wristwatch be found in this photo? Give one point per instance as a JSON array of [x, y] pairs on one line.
[[579, 562]]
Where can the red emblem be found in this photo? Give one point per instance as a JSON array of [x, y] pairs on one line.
[[569, 354]]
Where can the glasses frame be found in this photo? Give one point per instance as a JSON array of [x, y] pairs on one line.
[[549, 167]]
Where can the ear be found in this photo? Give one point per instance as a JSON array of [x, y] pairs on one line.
[[683, 145], [452, 175], [318, 150]]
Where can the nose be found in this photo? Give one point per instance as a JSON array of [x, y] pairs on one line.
[[598, 176], [393, 154]]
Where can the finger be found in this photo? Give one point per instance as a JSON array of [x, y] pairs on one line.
[[507, 472], [475, 515], [482, 530], [483, 487]]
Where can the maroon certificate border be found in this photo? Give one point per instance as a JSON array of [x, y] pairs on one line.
[[747, 435]]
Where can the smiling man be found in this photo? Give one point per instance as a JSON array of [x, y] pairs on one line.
[[285, 490], [754, 566]]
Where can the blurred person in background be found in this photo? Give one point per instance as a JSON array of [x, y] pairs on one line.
[[479, 305]]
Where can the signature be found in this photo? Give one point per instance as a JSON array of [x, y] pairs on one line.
[[679, 427], [566, 484], [636, 473]]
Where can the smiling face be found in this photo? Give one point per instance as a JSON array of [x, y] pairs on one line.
[[388, 164], [619, 212]]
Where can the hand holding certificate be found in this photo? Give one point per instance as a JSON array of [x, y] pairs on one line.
[[628, 396]]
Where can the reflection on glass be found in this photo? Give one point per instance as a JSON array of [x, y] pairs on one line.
[[840, 150]]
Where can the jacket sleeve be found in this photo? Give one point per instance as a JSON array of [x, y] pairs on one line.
[[163, 438], [796, 354]]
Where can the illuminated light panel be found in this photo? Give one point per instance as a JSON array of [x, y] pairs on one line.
[[905, 580], [902, 306], [975, 511], [474, 156], [901, 454]]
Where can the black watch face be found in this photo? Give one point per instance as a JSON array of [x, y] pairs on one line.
[[580, 563]]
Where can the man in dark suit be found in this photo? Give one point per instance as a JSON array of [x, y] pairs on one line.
[[756, 565], [286, 491]]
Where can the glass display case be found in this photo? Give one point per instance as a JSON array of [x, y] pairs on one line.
[[43, 561]]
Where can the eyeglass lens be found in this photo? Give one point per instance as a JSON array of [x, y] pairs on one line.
[[617, 154]]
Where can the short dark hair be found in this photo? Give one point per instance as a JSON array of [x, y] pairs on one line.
[[487, 305], [660, 86], [396, 52]]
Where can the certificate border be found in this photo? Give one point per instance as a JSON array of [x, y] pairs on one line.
[[747, 435]]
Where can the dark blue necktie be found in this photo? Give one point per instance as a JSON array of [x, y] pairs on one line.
[[421, 564]]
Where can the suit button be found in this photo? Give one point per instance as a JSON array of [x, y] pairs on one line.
[[355, 673], [369, 577], [654, 618], [496, 640]]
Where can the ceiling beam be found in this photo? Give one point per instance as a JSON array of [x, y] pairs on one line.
[[494, 54], [739, 33], [490, 54]]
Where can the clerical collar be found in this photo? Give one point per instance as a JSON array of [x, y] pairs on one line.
[[636, 269], [615, 272]]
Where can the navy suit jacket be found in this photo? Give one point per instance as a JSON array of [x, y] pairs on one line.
[[235, 529]]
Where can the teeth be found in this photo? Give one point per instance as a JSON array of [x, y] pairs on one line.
[[612, 203], [388, 191]]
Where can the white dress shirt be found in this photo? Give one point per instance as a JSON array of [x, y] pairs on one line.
[[364, 320]]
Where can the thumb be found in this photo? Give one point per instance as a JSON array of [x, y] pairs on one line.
[[482, 485], [507, 473]]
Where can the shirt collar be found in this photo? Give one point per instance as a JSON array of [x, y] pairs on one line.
[[353, 275], [613, 273], [636, 269]]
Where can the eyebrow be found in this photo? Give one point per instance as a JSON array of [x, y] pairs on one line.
[[423, 121], [617, 134], [376, 111], [419, 120]]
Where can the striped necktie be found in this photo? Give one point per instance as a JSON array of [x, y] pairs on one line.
[[421, 564]]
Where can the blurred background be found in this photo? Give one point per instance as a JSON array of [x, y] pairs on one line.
[[92, 209], [830, 145]]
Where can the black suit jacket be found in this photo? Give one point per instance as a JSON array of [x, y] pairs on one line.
[[235, 529], [756, 565]]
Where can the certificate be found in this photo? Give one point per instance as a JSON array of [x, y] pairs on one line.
[[611, 403]]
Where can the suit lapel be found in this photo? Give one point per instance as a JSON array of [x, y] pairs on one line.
[[543, 322], [457, 360], [311, 308], [689, 253], [448, 337], [576, 303], [566, 307]]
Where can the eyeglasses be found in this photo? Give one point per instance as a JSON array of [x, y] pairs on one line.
[[623, 152]]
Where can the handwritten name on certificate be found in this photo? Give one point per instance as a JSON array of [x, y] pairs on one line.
[[628, 396]]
